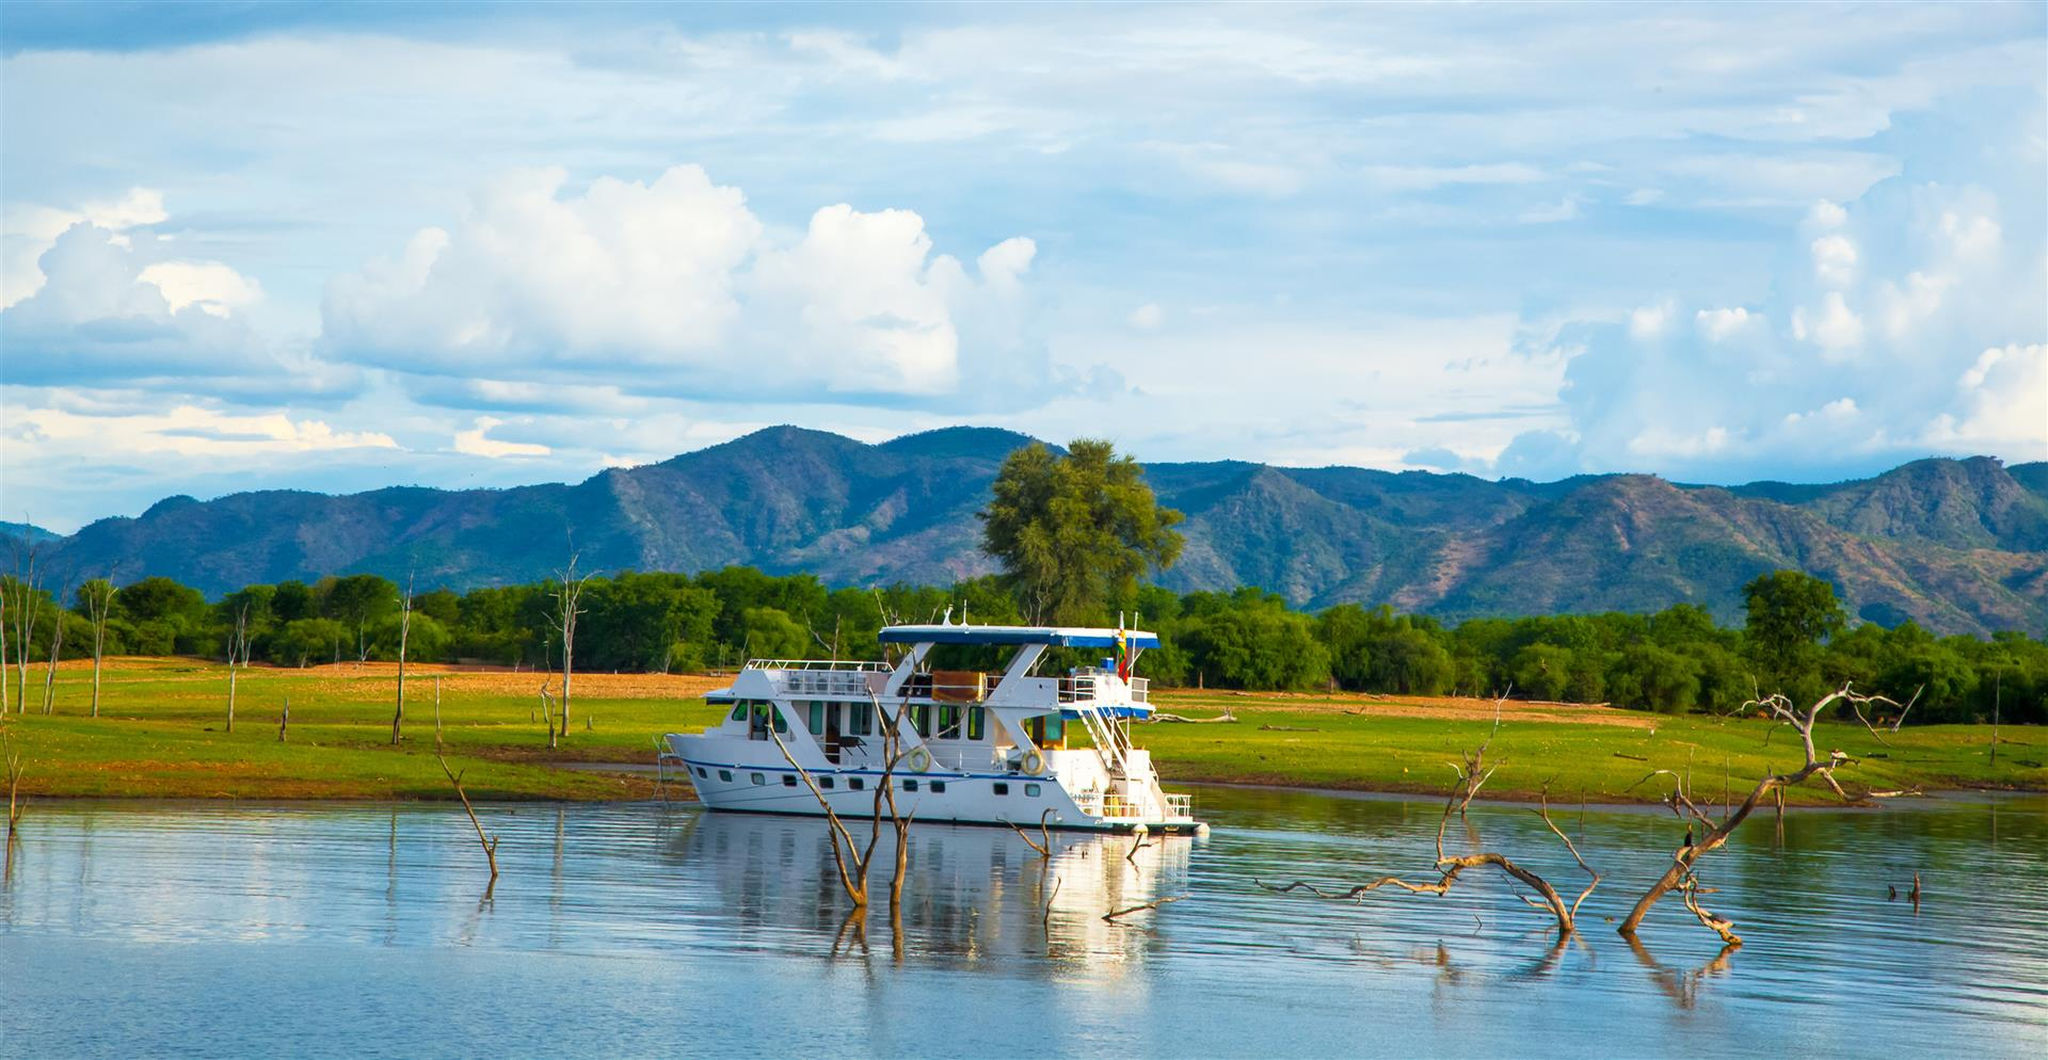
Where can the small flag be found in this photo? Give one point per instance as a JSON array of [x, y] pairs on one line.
[[1123, 657]]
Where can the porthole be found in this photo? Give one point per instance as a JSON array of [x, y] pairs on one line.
[[1031, 790], [725, 775], [759, 779], [1001, 788]]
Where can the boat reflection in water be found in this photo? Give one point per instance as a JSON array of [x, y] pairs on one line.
[[970, 894]]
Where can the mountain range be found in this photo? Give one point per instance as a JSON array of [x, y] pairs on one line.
[[1961, 546]]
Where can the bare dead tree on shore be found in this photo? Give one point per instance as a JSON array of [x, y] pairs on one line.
[[1680, 875], [50, 670], [98, 597], [569, 592], [489, 843], [238, 647], [547, 710], [404, 635], [284, 719], [26, 584]]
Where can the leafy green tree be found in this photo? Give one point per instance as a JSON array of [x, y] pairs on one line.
[[1650, 676], [772, 634], [310, 641], [1074, 531], [1791, 613]]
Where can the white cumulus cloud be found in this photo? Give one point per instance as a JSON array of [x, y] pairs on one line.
[[675, 286]]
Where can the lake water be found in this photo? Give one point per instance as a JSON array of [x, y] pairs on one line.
[[648, 929]]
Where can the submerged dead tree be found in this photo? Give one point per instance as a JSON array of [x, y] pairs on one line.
[[1472, 774], [851, 857], [489, 843], [14, 803], [1680, 875]]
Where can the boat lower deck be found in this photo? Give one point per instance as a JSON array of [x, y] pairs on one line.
[[936, 796]]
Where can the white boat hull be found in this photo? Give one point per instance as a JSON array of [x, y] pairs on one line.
[[937, 795]]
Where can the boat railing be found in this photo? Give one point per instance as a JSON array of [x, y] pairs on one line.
[[846, 665], [1180, 805], [844, 679], [1086, 687]]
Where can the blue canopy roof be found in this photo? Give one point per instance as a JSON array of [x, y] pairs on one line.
[[1058, 636]]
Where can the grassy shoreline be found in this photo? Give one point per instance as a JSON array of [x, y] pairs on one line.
[[162, 734]]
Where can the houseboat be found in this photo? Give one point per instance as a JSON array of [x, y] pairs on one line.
[[973, 744]]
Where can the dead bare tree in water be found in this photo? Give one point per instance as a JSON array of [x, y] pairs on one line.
[[1472, 774], [1043, 844], [489, 843], [15, 804], [564, 621], [404, 634], [1680, 875], [852, 858]]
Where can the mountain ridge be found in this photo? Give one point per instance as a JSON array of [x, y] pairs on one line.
[[1958, 545]]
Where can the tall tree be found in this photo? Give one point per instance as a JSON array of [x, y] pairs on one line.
[[1073, 531], [1790, 614]]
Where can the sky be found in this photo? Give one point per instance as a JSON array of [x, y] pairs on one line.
[[253, 246]]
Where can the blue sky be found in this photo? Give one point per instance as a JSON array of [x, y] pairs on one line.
[[249, 246]]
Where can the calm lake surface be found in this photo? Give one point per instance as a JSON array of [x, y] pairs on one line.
[[647, 929]]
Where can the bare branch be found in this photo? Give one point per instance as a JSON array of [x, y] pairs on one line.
[[1113, 917], [489, 843], [1800, 721]]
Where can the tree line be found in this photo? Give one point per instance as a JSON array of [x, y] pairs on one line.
[[1796, 638]]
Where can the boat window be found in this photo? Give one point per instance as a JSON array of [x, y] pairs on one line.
[[949, 722], [817, 718], [700, 772], [1055, 729], [739, 711], [977, 722], [921, 716], [861, 719], [725, 775], [1001, 788], [789, 780], [938, 787], [1031, 790], [910, 785], [856, 783], [759, 779], [825, 782]]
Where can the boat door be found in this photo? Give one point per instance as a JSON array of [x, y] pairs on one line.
[[832, 711]]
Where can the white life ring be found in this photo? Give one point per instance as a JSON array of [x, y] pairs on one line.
[[1034, 763], [918, 759]]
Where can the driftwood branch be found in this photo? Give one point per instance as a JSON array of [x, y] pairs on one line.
[[1222, 718], [1119, 914]]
